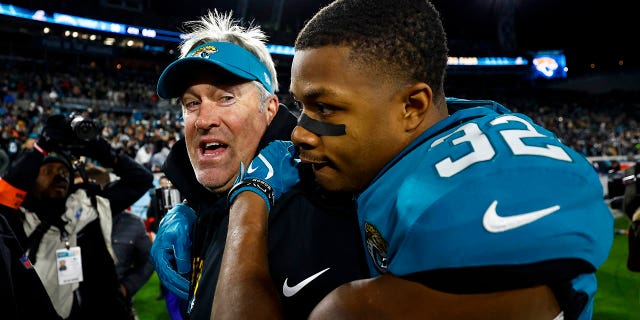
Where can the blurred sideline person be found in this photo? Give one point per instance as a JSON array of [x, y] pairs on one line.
[[156, 212], [54, 219], [158, 208], [630, 206], [466, 210], [615, 186], [225, 81], [131, 245]]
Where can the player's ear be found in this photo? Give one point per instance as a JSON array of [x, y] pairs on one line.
[[419, 98]]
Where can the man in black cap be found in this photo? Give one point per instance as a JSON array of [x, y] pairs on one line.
[[52, 220]]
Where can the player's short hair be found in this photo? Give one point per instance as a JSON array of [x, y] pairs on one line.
[[405, 39]]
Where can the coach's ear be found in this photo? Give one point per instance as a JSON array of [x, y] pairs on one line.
[[419, 99], [272, 105]]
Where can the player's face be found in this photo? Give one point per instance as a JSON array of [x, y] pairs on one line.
[[335, 90], [223, 126], [52, 182]]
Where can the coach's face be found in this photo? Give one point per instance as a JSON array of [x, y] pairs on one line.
[[223, 126], [334, 89]]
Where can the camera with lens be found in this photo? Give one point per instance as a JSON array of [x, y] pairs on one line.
[[83, 128]]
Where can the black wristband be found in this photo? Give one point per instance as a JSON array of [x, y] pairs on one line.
[[252, 184]]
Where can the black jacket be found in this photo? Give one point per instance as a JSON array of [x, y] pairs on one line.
[[99, 292], [22, 295], [309, 231]]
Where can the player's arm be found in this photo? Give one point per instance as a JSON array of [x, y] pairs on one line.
[[245, 289], [390, 297]]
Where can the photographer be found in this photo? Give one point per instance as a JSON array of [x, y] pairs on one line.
[[54, 220]]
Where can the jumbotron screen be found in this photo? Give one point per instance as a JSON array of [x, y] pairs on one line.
[[549, 64]]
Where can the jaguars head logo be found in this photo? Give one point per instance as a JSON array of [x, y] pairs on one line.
[[546, 65], [376, 246], [204, 52]]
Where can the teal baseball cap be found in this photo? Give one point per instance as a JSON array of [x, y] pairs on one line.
[[226, 55]]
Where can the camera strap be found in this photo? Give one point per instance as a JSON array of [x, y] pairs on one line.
[[34, 239]]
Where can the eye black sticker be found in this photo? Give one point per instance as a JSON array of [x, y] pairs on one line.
[[321, 128]]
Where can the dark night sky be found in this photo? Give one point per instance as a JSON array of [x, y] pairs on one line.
[[589, 31], [586, 30]]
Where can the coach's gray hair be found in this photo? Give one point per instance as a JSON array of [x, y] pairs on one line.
[[221, 27]]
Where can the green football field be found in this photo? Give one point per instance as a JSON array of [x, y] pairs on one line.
[[618, 296]]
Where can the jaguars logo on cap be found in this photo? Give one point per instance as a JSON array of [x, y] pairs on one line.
[[376, 246], [204, 52]]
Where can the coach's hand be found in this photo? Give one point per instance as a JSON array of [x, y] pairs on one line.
[[173, 243], [270, 174]]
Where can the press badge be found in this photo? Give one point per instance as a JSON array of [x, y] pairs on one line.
[[69, 264]]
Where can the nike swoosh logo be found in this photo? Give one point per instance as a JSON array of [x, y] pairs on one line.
[[290, 291], [495, 223], [251, 169], [266, 162]]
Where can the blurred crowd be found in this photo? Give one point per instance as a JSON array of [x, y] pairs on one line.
[[125, 106], [136, 121], [594, 125]]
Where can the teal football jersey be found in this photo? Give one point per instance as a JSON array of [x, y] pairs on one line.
[[487, 189]]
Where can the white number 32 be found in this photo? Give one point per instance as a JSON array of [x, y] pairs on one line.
[[482, 150]]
